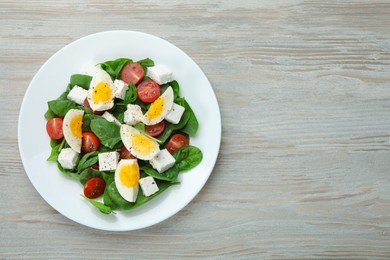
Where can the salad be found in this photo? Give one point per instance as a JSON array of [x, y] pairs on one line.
[[123, 131]]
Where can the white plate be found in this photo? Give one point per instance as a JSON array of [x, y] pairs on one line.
[[63, 193]]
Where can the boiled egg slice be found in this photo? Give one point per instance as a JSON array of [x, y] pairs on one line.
[[160, 108], [126, 179], [101, 91], [71, 127], [140, 145]]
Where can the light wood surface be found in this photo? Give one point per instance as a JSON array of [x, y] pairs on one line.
[[304, 93]]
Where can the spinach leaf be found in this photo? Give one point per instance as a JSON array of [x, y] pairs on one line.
[[86, 126], [80, 80], [56, 147], [113, 199], [145, 63], [168, 175], [192, 125], [67, 172], [61, 106], [89, 173], [187, 157], [100, 206], [131, 94], [114, 67], [87, 160], [107, 132]]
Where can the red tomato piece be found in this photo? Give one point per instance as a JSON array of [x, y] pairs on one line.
[[94, 187], [148, 91], [132, 72], [89, 142], [176, 141], [125, 154], [155, 130], [54, 128]]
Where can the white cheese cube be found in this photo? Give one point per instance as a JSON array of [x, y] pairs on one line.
[[133, 114], [110, 118], [108, 161], [120, 88], [162, 161], [78, 94], [68, 158], [175, 114], [160, 74], [148, 185]]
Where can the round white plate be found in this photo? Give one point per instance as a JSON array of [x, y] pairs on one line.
[[63, 193]]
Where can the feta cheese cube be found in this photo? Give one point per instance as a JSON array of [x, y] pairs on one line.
[[175, 114], [77, 94], [160, 74], [120, 88], [148, 185], [110, 118], [68, 158], [162, 161], [133, 114], [108, 161]]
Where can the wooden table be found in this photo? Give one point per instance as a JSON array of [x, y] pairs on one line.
[[304, 93]]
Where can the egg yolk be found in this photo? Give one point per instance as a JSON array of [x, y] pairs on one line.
[[142, 144], [129, 175], [101, 93], [155, 109], [75, 125]]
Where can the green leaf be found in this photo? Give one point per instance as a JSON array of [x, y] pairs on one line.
[[187, 157], [61, 106], [80, 80], [192, 126], [87, 160], [168, 175], [113, 199], [89, 173], [114, 67], [131, 94], [67, 172], [145, 63], [107, 132], [56, 147], [100, 206]]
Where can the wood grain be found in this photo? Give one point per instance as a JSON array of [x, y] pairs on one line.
[[304, 93]]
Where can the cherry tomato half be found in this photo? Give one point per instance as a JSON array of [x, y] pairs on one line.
[[54, 128], [94, 187], [176, 141], [148, 91], [89, 142], [132, 72], [125, 154], [155, 130]]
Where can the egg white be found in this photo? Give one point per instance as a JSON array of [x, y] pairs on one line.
[[128, 193], [155, 114], [73, 140], [101, 76], [140, 145]]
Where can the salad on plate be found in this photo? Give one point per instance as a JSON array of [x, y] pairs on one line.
[[123, 131]]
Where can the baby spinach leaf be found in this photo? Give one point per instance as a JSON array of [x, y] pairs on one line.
[[145, 63], [61, 106], [67, 172], [187, 157], [80, 80], [87, 160], [100, 206], [56, 147], [131, 94], [168, 175], [113, 199], [89, 173], [114, 67], [192, 125], [107, 132]]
